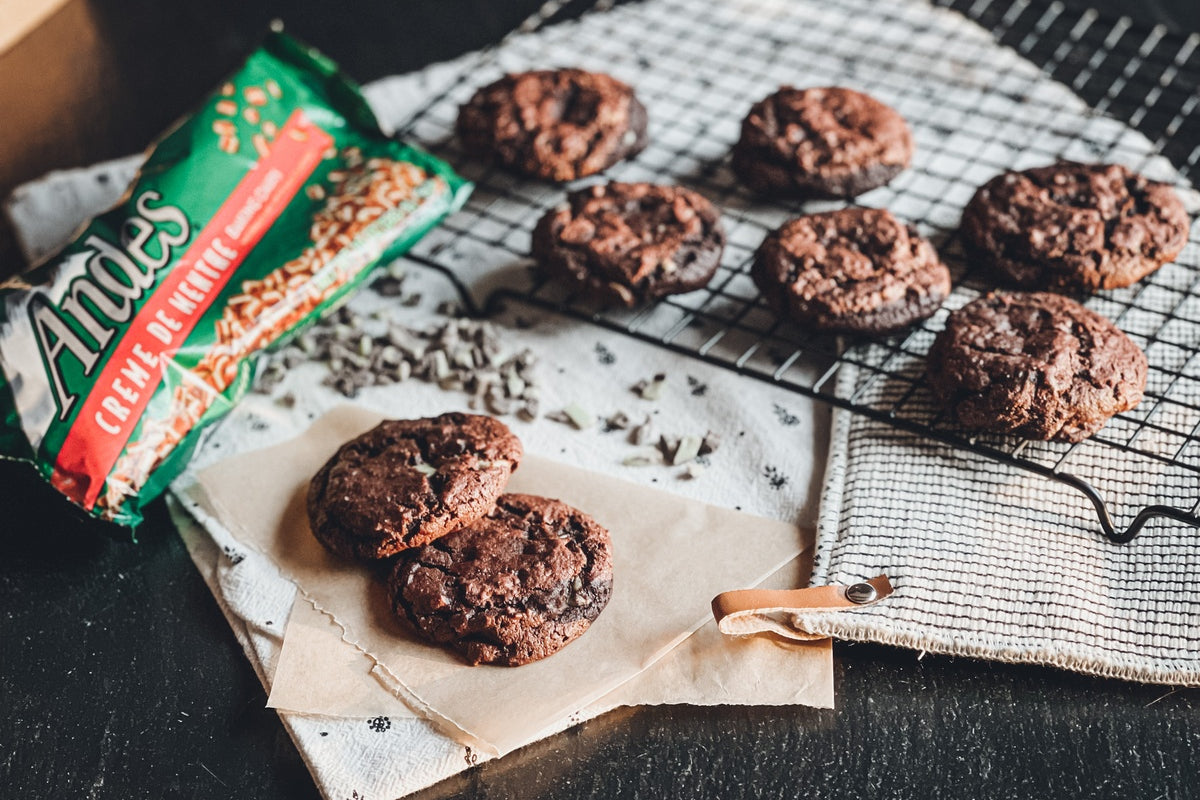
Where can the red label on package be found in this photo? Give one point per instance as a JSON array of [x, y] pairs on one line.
[[133, 372]]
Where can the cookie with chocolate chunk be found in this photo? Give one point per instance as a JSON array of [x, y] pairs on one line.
[[821, 142], [1036, 365], [857, 270], [407, 482], [557, 125], [513, 587], [631, 243], [1075, 227]]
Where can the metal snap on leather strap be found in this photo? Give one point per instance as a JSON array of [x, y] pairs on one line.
[[861, 593], [787, 612]]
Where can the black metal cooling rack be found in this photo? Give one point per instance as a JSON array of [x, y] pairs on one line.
[[1145, 464]]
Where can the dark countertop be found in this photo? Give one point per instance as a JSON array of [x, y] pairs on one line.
[[119, 677]]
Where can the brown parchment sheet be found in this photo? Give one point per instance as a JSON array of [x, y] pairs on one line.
[[319, 673], [671, 556]]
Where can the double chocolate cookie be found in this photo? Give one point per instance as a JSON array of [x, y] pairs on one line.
[[510, 588], [858, 270], [630, 243], [557, 125], [407, 482], [823, 142], [1075, 227], [1036, 365]]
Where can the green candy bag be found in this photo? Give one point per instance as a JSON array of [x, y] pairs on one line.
[[251, 218]]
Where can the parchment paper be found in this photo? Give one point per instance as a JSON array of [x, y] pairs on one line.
[[319, 673], [671, 555]]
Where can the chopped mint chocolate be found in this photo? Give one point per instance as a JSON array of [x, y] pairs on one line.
[[651, 389], [579, 416], [644, 457], [687, 450], [643, 434]]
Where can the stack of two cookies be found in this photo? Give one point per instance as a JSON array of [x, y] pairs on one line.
[[500, 578]]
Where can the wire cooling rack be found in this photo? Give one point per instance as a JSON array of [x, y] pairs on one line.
[[975, 111]]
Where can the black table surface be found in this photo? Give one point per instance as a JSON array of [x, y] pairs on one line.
[[119, 677]]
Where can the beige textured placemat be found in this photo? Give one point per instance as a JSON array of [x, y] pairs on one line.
[[992, 562]]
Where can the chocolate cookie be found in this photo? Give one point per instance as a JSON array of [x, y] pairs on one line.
[[1036, 365], [629, 243], [825, 142], [857, 270], [558, 125], [407, 482], [513, 587], [1071, 227]]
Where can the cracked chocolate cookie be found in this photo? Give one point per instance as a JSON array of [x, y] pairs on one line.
[[557, 125], [631, 243], [822, 142], [857, 270], [513, 587], [1035, 365], [1075, 227], [407, 482]]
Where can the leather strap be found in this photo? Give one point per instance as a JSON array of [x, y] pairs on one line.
[[747, 611]]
